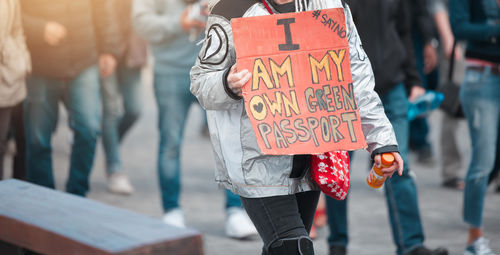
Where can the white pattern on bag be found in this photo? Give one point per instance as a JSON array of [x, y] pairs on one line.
[[334, 183]]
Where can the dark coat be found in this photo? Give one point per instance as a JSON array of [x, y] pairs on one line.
[[132, 49], [90, 28], [385, 30], [422, 20]]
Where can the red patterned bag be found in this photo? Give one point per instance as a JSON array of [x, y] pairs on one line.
[[330, 171]]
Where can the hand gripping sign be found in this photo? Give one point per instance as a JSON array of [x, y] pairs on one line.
[[300, 99]]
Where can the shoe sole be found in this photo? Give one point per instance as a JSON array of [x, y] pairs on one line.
[[243, 237], [246, 235], [120, 192]]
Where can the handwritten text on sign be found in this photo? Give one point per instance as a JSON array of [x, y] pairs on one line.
[[300, 99]]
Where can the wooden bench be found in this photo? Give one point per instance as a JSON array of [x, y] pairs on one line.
[[50, 222]]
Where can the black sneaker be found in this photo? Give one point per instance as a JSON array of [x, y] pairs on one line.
[[337, 250], [422, 250], [425, 156], [454, 183]]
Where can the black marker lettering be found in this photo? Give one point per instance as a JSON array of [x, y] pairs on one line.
[[289, 45]]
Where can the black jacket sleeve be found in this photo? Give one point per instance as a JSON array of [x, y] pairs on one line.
[[106, 27], [412, 77], [422, 20]]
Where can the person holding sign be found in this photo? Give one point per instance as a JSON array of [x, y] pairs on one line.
[[272, 109]]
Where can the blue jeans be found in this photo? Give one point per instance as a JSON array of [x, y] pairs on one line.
[[174, 100], [82, 96], [400, 191], [419, 129], [480, 97], [122, 104]]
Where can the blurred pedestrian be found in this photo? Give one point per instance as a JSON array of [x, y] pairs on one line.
[[495, 174], [478, 22], [385, 30], [450, 160], [14, 67], [122, 96], [173, 27], [278, 195], [71, 42], [425, 49]]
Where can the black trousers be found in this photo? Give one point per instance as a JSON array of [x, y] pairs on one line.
[[282, 217], [11, 118], [4, 131]]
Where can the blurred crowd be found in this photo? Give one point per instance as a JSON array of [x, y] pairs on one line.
[[87, 55]]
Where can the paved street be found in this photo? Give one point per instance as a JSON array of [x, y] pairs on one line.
[[203, 202]]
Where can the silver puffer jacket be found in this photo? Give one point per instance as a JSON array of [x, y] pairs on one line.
[[240, 165]]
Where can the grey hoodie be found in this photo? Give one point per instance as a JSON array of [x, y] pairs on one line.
[[158, 22]]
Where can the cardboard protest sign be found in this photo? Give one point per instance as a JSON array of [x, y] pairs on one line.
[[300, 99]]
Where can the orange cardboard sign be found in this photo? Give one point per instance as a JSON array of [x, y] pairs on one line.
[[300, 99]]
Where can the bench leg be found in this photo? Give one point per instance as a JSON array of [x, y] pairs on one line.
[[9, 249]]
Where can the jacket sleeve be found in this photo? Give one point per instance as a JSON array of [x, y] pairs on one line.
[[153, 26], [423, 19], [376, 127], [20, 38], [437, 6], [464, 29], [209, 74], [34, 26], [412, 77], [17, 27], [106, 28]]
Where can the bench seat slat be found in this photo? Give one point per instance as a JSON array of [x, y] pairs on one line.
[[53, 222]]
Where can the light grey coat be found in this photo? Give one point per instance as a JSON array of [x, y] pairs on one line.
[[240, 165], [14, 56]]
